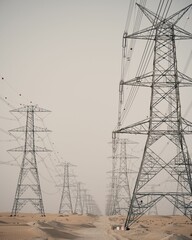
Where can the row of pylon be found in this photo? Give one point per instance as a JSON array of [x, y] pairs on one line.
[[84, 202], [28, 189]]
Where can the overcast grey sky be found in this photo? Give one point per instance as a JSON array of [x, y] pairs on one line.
[[65, 56]]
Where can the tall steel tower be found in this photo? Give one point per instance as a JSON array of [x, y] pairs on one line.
[[28, 186], [90, 204], [84, 202], [66, 202], [111, 197], [78, 204], [122, 193], [164, 123]]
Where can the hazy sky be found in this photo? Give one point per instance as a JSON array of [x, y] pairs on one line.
[[65, 56]]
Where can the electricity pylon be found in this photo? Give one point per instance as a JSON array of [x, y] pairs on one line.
[[90, 204], [162, 125], [28, 186], [78, 204], [84, 202], [66, 202], [122, 195], [111, 198]]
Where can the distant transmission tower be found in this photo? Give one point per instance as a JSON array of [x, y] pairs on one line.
[[28, 186], [78, 204], [66, 202], [90, 204], [122, 197], [164, 123], [111, 198], [84, 202]]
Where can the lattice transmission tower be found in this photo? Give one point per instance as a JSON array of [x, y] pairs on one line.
[[120, 194], [78, 204], [66, 201], [90, 204], [28, 187], [164, 123], [85, 201], [111, 197]]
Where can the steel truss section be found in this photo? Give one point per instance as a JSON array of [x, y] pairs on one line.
[[78, 204], [162, 126], [28, 187], [120, 195], [66, 202]]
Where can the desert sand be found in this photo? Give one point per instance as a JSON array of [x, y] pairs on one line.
[[34, 227], [155, 228]]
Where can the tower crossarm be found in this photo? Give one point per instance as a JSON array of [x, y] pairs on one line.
[[158, 22], [145, 34], [181, 34], [29, 149], [142, 128], [145, 80], [33, 108], [124, 140], [129, 156], [174, 18], [137, 128], [36, 129], [150, 34]]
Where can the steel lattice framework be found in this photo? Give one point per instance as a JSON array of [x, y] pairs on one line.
[[120, 195], [123, 195], [165, 81], [78, 204], [28, 186], [66, 202], [84, 202], [111, 197]]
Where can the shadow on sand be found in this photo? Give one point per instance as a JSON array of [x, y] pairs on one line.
[[55, 230]]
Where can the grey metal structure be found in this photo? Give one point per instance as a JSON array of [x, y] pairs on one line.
[[120, 194], [66, 202], [164, 81], [78, 204], [90, 204], [123, 195], [84, 202], [28, 186], [111, 197]]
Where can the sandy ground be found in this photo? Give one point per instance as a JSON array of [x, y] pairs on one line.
[[155, 228], [54, 227], [35, 227]]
